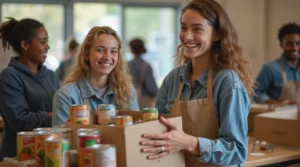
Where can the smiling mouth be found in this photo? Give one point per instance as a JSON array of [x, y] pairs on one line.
[[191, 45], [105, 64]]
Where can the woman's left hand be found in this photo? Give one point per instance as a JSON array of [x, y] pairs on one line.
[[169, 142]]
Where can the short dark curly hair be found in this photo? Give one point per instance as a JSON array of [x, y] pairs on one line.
[[289, 28]]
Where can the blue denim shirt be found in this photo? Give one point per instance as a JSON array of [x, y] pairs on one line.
[[269, 81], [75, 93], [232, 106]]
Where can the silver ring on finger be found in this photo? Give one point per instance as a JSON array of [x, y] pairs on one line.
[[162, 148]]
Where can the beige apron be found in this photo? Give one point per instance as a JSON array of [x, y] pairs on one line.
[[199, 119], [290, 89]]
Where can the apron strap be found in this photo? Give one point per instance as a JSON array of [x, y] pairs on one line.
[[283, 74], [179, 93]]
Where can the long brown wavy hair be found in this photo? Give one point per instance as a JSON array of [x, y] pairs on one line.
[[119, 78], [226, 52]]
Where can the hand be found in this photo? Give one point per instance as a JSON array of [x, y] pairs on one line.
[[172, 141]]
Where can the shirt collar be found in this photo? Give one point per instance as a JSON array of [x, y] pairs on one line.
[[87, 91], [185, 76], [286, 63]]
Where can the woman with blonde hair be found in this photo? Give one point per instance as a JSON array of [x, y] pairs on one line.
[[210, 90], [99, 76]]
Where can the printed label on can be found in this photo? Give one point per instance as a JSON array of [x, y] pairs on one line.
[[25, 147], [103, 158], [80, 114], [57, 154], [40, 149]]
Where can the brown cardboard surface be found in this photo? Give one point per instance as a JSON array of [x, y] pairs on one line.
[[127, 141], [279, 128], [264, 108]]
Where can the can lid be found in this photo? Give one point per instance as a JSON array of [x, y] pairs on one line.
[[43, 133], [121, 116], [58, 130], [30, 133], [99, 147], [42, 129], [106, 106], [57, 140], [88, 133], [78, 105], [87, 130], [59, 126]]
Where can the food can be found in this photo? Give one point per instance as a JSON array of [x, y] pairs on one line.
[[86, 139], [102, 155], [57, 152], [25, 146], [65, 133], [42, 129], [73, 155], [122, 121], [59, 126], [150, 114], [106, 113], [80, 114], [40, 138]]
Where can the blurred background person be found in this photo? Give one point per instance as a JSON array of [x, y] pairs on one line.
[[64, 67], [27, 87], [142, 74], [279, 81]]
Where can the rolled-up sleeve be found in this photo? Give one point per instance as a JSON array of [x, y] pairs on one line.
[[263, 82], [61, 104], [231, 147]]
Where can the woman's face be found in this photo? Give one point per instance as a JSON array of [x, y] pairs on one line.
[[36, 50], [196, 34], [103, 55]]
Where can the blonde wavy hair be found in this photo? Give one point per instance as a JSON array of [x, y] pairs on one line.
[[119, 78], [226, 52]]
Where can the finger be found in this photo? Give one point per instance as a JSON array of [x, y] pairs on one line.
[[152, 150], [168, 123], [156, 156], [153, 142], [157, 136]]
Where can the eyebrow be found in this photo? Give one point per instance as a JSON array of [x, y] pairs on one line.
[[105, 47], [196, 24]]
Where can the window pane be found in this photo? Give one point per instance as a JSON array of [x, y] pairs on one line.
[[155, 26], [88, 15], [52, 18]]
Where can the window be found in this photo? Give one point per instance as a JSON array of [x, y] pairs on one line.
[[52, 18], [156, 27], [88, 15]]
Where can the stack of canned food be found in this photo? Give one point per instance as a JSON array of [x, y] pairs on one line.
[[50, 147]]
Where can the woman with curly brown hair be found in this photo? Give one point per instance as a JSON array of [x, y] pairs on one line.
[[100, 76], [210, 90]]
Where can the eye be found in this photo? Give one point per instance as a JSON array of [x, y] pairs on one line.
[[183, 28], [114, 52], [100, 50], [197, 29]]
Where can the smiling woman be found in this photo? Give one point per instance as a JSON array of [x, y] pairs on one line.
[[26, 85], [99, 76]]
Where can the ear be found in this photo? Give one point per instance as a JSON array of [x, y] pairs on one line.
[[24, 45], [216, 36]]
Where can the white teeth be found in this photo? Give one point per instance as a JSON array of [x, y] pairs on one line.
[[105, 64], [191, 45]]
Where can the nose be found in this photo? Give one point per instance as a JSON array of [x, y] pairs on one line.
[[106, 54], [48, 47], [189, 35]]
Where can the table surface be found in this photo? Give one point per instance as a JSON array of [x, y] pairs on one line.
[[278, 155]]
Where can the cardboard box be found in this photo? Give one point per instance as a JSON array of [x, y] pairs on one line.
[[279, 128], [127, 141], [264, 108]]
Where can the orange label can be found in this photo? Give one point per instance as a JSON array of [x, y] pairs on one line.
[[57, 152], [40, 138], [122, 121], [80, 114], [25, 146]]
